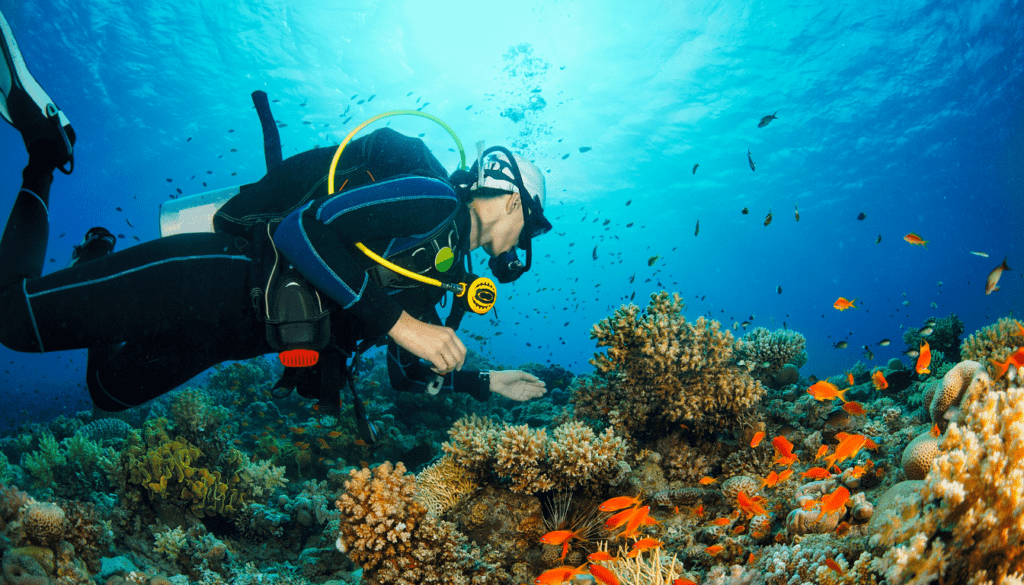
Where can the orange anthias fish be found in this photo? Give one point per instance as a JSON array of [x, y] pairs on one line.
[[842, 304], [915, 240], [619, 503], [683, 581], [849, 378], [854, 408], [557, 537], [714, 549], [720, 521], [604, 575], [758, 437], [634, 523], [770, 480], [816, 473], [834, 501], [935, 430], [824, 390], [752, 506], [821, 452], [846, 449], [992, 282], [707, 480], [559, 575], [879, 380], [924, 360], [1016, 360], [785, 475], [600, 556], [646, 543]]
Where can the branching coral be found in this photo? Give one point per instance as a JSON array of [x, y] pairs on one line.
[[574, 456], [765, 352], [969, 524], [386, 531], [660, 368]]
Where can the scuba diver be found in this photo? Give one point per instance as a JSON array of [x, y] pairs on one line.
[[293, 264]]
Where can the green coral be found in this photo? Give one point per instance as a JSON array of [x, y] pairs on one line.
[[764, 352], [945, 337], [194, 413], [42, 464], [162, 467]]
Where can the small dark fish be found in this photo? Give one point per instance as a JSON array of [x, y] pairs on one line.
[[884, 343], [469, 107], [768, 218], [360, 102], [797, 212], [595, 253], [282, 125], [868, 355], [878, 240], [169, 180], [406, 95], [120, 236], [370, 99], [422, 134], [303, 104], [925, 331], [231, 130], [234, 150], [565, 157], [778, 289], [137, 238], [745, 211], [840, 345], [606, 222], [118, 208], [767, 120], [585, 149], [630, 224], [812, 378], [750, 160], [695, 168], [697, 230], [307, 122], [628, 202], [861, 216], [188, 139], [650, 262], [179, 191], [128, 221]]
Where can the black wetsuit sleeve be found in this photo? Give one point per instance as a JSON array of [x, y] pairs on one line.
[[408, 373], [319, 240]]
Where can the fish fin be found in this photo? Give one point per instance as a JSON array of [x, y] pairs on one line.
[[1003, 265]]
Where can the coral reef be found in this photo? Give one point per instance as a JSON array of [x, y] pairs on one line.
[[659, 370], [996, 341], [105, 429], [963, 529], [919, 454], [765, 353]]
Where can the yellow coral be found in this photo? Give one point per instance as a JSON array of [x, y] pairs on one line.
[[919, 454], [442, 485]]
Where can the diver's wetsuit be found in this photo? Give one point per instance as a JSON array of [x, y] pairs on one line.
[[182, 303]]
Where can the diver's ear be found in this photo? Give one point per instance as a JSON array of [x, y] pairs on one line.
[[513, 202]]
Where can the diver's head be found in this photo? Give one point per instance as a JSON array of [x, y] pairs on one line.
[[513, 190]]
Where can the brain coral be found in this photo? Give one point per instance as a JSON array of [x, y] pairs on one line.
[[661, 369], [43, 522]]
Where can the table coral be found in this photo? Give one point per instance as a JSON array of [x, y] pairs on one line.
[[970, 521], [661, 369]]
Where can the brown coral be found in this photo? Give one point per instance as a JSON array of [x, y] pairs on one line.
[[43, 522], [659, 368], [387, 532], [952, 389], [442, 485]]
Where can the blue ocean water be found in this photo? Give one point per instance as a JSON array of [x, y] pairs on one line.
[[910, 113]]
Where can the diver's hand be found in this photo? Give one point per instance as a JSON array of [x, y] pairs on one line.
[[517, 385], [438, 345]]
